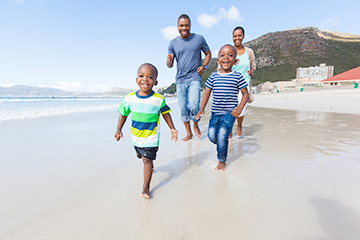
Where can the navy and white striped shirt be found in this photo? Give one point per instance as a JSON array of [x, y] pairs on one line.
[[225, 88]]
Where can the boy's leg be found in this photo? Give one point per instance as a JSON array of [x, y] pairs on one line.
[[148, 155], [193, 104], [225, 127], [182, 94], [148, 171], [213, 128]]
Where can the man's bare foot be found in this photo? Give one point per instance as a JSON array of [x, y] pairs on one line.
[[187, 137], [197, 131], [230, 135], [221, 166], [239, 131], [145, 193]]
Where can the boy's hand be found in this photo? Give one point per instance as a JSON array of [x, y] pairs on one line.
[[250, 72], [200, 113], [174, 134], [118, 135], [236, 112]]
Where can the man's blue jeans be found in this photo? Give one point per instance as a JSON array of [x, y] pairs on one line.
[[188, 94], [220, 127]]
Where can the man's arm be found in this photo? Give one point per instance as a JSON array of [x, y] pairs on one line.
[[201, 69], [170, 60]]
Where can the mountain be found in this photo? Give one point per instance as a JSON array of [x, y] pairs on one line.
[[29, 91], [278, 54], [118, 91]]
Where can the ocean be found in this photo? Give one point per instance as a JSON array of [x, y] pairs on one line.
[[21, 108]]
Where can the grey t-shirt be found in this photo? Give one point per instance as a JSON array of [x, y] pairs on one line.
[[187, 53]]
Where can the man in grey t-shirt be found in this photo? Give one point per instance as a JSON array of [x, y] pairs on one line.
[[186, 49]]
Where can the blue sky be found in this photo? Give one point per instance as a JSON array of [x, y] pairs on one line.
[[91, 45]]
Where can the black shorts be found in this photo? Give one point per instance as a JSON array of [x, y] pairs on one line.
[[146, 152]]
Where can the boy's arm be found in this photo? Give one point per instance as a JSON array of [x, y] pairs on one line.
[[204, 101], [121, 122], [173, 131], [237, 111]]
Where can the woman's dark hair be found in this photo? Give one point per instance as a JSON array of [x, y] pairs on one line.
[[242, 29]]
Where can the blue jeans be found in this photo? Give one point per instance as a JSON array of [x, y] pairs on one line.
[[220, 127], [188, 94]]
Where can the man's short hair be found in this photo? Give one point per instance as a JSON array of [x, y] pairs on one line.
[[185, 16]]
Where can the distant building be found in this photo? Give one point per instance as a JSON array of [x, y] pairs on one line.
[[317, 73], [284, 85], [351, 76], [265, 87]]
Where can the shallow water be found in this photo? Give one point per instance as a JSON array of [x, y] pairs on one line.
[[293, 175]]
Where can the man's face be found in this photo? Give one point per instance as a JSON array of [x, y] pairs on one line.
[[184, 27]]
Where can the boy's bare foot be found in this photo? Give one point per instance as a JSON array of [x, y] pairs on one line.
[[145, 193], [187, 137], [221, 166]]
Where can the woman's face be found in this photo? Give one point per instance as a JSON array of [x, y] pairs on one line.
[[238, 37]]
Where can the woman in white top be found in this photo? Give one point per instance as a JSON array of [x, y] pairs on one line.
[[246, 66]]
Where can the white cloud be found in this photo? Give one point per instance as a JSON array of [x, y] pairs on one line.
[[170, 32], [330, 22], [19, 1], [208, 20], [78, 87], [234, 15]]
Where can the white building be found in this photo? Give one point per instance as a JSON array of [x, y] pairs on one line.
[[317, 73]]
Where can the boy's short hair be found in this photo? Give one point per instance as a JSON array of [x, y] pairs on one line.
[[149, 64], [241, 28], [228, 45], [185, 16]]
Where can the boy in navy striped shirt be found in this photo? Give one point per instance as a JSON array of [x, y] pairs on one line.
[[225, 85]]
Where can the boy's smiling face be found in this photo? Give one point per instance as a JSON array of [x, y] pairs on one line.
[[146, 79], [226, 58]]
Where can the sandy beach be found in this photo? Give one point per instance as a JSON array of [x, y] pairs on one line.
[[339, 99], [294, 174]]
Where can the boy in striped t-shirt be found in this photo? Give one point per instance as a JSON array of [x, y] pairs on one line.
[[225, 85], [145, 107]]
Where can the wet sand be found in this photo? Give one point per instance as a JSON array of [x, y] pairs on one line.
[[293, 175]]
